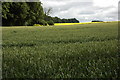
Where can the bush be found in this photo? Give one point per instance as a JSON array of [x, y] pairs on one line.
[[37, 25], [45, 24], [50, 22], [42, 22]]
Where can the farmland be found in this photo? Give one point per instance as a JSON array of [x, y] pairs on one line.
[[74, 51]]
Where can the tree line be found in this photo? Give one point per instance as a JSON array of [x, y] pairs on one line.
[[28, 14]]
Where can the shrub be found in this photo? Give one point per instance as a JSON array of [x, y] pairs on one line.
[[45, 23], [42, 22], [37, 25], [50, 22]]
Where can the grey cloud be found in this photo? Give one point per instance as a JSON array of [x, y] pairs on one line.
[[83, 11], [114, 12], [69, 0], [86, 12], [75, 5]]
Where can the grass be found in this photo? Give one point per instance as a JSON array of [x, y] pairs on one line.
[[74, 51]]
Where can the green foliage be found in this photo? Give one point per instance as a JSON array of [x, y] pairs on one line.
[[35, 13], [42, 22], [21, 13], [14, 13], [47, 18], [78, 51], [50, 22], [58, 20], [5, 9]]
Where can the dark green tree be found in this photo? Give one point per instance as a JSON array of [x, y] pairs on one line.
[[14, 13], [57, 20], [21, 13], [36, 13], [50, 22]]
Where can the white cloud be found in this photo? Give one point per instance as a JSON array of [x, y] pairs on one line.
[[49, 3], [105, 3], [84, 10]]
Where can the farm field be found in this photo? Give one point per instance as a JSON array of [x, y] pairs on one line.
[[58, 24], [73, 51]]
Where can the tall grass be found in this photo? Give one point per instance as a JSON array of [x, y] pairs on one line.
[[76, 51]]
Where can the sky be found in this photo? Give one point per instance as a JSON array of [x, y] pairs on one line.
[[84, 10]]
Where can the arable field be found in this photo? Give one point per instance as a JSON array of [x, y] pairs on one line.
[[74, 51]]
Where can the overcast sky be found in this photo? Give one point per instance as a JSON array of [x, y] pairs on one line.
[[84, 10]]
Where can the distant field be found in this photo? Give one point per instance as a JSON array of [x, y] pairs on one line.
[[74, 51], [58, 24]]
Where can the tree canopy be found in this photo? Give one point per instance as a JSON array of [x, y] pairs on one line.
[[21, 13]]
